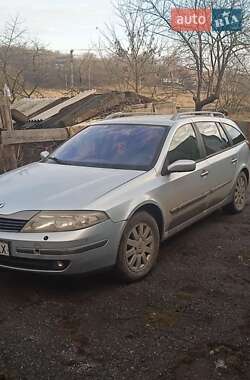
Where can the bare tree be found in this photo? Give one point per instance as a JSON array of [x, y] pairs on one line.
[[20, 59], [207, 54], [11, 37], [86, 66], [135, 47], [34, 70], [235, 89]]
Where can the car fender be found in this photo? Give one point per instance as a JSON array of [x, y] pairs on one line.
[[134, 209], [238, 171]]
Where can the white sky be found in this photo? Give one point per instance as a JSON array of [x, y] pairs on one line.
[[61, 24]]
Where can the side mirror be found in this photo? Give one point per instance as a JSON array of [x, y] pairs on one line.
[[44, 155], [180, 166]]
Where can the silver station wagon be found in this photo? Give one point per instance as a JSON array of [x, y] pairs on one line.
[[108, 196]]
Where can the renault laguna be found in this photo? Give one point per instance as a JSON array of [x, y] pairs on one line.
[[108, 196]]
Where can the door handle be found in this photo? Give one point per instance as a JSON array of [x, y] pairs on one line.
[[234, 160], [204, 173]]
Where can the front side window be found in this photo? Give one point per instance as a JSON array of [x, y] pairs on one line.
[[234, 133], [184, 145], [212, 138], [117, 146]]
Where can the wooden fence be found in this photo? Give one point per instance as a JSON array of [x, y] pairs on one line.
[[10, 138], [7, 153]]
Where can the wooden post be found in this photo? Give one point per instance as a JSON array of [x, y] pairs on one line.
[[8, 159]]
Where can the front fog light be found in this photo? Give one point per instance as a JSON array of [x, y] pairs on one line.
[[60, 264]]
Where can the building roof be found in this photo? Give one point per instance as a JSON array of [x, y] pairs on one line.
[[82, 107], [55, 110], [31, 106]]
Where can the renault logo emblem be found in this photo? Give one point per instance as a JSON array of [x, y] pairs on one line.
[[2, 204]]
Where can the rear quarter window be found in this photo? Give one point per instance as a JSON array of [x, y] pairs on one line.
[[235, 134]]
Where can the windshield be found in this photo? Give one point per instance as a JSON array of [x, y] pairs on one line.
[[113, 146]]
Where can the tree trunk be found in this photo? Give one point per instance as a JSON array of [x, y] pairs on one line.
[[199, 104]]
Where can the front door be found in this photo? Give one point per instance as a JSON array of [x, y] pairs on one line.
[[186, 191]]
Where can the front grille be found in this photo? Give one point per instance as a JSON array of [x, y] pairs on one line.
[[33, 264], [11, 225]]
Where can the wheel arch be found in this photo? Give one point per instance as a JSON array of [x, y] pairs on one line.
[[155, 211], [246, 172]]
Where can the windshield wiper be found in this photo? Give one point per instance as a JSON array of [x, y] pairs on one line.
[[57, 160]]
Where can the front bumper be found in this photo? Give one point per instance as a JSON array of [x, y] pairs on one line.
[[72, 252]]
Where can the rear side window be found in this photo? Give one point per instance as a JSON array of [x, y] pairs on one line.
[[234, 133], [224, 136], [184, 145], [213, 140]]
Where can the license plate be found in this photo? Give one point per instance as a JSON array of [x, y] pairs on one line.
[[4, 249]]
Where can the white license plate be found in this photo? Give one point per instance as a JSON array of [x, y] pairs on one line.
[[4, 249]]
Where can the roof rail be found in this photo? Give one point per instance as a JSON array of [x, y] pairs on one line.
[[182, 115], [125, 114]]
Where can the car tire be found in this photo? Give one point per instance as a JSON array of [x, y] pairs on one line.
[[139, 247], [239, 195]]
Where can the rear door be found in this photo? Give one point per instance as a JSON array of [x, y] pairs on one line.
[[220, 161], [240, 153]]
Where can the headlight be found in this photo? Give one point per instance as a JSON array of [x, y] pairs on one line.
[[59, 221]]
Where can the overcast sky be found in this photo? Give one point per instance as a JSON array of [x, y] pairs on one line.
[[61, 24]]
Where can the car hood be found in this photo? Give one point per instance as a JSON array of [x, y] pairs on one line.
[[43, 186]]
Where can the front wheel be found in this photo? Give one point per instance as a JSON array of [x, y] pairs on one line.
[[239, 196], [139, 247]]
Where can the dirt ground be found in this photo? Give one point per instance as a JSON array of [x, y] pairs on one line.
[[189, 319]]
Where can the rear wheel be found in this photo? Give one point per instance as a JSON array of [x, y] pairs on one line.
[[139, 247], [240, 195]]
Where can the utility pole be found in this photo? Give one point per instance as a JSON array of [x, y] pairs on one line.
[[89, 76], [72, 68]]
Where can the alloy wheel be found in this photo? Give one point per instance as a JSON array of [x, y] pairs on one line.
[[139, 247], [240, 193]]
